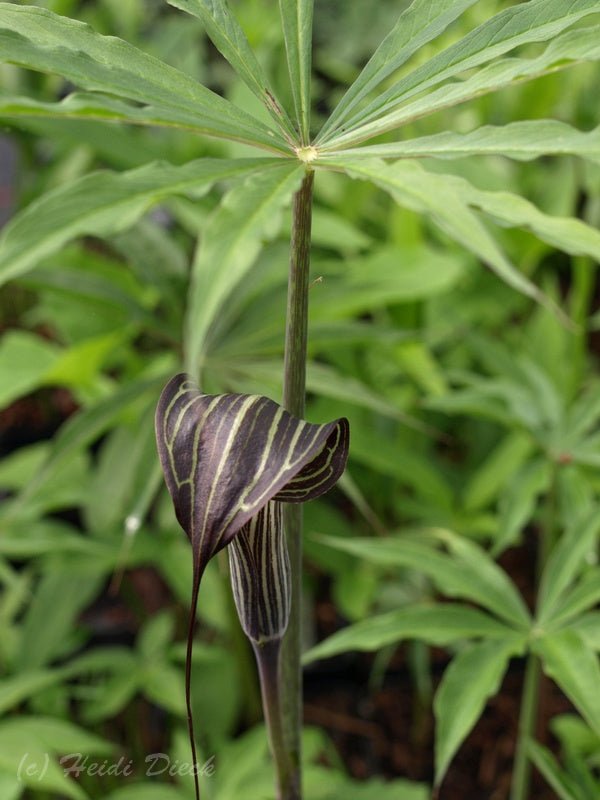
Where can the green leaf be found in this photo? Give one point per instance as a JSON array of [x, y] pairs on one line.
[[372, 789], [161, 682], [229, 38], [521, 141], [40, 40], [44, 634], [104, 203], [328, 382], [33, 761], [574, 734], [414, 469], [422, 366], [112, 695], [16, 689], [493, 473], [564, 563], [518, 501], [582, 416], [58, 735], [522, 394], [221, 698], [421, 22], [587, 626], [581, 597], [472, 557], [466, 572], [122, 475], [83, 107], [45, 537], [83, 428], [570, 235], [486, 399], [570, 48], [248, 215], [384, 277], [297, 21], [473, 676], [562, 783], [112, 658], [570, 662], [438, 625], [588, 452], [332, 230], [80, 367], [155, 636], [91, 308], [535, 21], [11, 788], [445, 200], [65, 488], [322, 380], [24, 361], [353, 492]]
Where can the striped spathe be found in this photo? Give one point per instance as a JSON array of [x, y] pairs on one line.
[[229, 462], [260, 575], [225, 456]]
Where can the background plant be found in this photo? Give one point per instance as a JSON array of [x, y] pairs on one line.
[[393, 319]]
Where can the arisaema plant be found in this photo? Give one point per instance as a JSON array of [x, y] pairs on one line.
[[230, 461]]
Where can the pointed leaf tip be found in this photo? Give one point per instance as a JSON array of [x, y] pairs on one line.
[[225, 456]]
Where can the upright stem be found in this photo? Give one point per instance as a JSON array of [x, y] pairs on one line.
[[267, 658], [581, 300], [530, 698], [528, 715], [581, 295], [294, 389], [294, 378]]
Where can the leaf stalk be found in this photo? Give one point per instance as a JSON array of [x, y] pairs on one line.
[[532, 683], [294, 390]]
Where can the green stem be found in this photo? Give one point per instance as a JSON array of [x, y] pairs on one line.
[[581, 302], [267, 658], [532, 683], [296, 332], [581, 295], [294, 390], [527, 722]]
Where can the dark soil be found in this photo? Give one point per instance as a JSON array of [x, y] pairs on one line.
[[380, 734]]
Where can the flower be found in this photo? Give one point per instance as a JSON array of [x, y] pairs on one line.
[[229, 462], [226, 456]]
